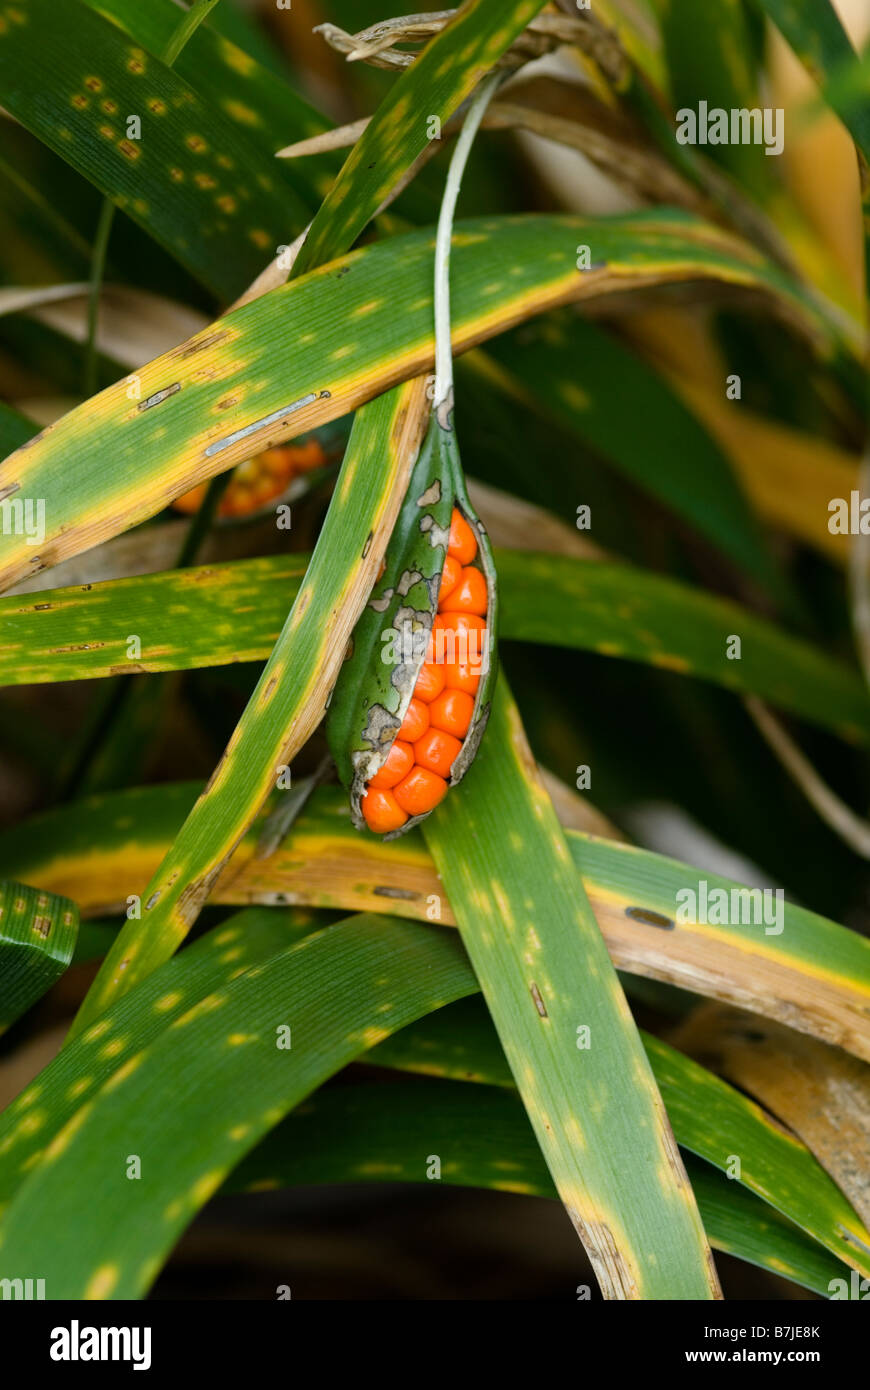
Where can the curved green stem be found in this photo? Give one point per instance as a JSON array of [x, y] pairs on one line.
[[443, 345]]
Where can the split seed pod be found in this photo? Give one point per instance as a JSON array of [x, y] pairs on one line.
[[371, 715]]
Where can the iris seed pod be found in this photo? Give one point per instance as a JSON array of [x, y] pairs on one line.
[[400, 654]]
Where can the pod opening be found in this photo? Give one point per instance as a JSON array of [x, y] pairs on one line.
[[442, 709]]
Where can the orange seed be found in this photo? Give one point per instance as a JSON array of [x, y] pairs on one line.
[[437, 751], [452, 712], [420, 791], [449, 577], [430, 682], [382, 811], [468, 595], [415, 723], [462, 544], [461, 675], [400, 760]]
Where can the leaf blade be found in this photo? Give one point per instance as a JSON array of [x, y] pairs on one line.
[[195, 181], [574, 372], [564, 1024], [814, 31], [244, 383], [436, 84], [291, 695], [37, 937], [373, 1133], [710, 1118], [222, 613], [813, 976], [206, 1089]]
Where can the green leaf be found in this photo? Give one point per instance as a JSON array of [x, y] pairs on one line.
[[223, 613], [187, 25], [455, 1041], [564, 1023], [829, 995], [813, 975], [814, 31], [709, 54], [483, 1138], [236, 22], [263, 107], [638, 616], [291, 695], [573, 372], [245, 383], [193, 180], [710, 1118], [436, 84], [194, 1100], [740, 1224], [245, 940], [37, 937]]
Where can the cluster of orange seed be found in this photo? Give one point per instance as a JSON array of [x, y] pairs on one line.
[[413, 779], [256, 481]]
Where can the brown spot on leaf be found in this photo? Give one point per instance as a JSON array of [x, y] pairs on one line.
[[539, 1003], [649, 919], [194, 895], [158, 397], [201, 345], [80, 647]]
